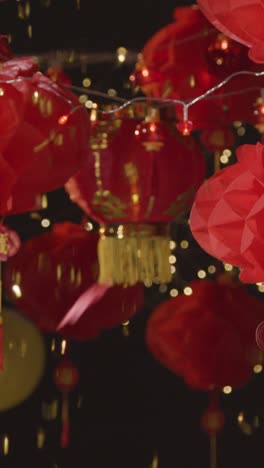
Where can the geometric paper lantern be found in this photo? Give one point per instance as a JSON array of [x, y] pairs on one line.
[[43, 134], [228, 212], [168, 68], [241, 21]]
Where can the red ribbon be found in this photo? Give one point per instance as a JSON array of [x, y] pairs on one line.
[[91, 296]]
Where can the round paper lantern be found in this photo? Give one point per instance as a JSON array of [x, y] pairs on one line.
[[166, 70], [24, 359], [134, 186], [227, 215], [43, 134], [241, 21], [63, 262], [208, 338]]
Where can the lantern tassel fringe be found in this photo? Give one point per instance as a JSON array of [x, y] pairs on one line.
[[129, 260]]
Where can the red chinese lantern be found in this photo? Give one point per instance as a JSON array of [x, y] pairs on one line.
[[63, 262], [241, 21], [208, 338], [66, 378], [227, 216], [134, 187], [43, 134], [165, 70]]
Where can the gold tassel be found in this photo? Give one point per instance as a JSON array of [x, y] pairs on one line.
[[135, 253]]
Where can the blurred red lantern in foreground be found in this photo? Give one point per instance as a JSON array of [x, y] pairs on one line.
[[43, 134], [51, 271], [241, 21], [134, 188], [208, 338], [227, 216], [165, 70]]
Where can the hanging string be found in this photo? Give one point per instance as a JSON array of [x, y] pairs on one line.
[[213, 451]]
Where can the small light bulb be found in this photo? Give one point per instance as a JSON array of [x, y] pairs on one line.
[[211, 269], [201, 274], [121, 54], [63, 119], [258, 368], [188, 291], [172, 259], [16, 290], [227, 390], [184, 244], [83, 98], [174, 292], [45, 223], [87, 82], [224, 159]]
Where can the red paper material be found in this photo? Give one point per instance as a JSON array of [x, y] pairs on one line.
[[161, 183], [56, 269], [241, 20], [228, 213], [168, 68], [43, 134], [208, 338]]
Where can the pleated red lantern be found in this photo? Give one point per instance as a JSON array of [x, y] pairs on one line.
[[227, 215], [43, 134], [134, 187], [51, 271], [168, 68], [208, 338], [241, 21]]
